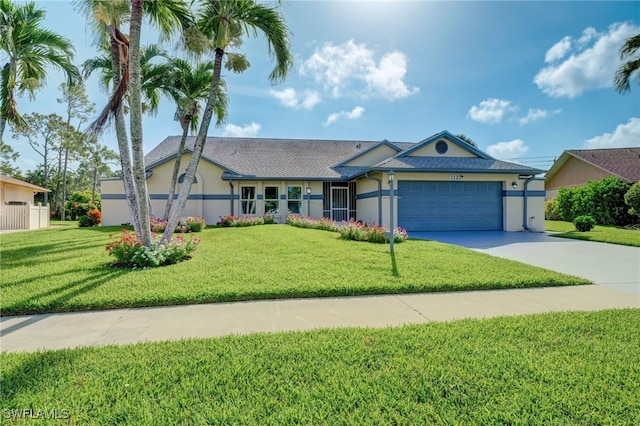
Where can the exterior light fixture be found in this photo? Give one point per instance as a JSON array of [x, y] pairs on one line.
[[514, 184], [391, 210], [308, 201]]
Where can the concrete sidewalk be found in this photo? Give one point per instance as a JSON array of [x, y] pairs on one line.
[[122, 326]]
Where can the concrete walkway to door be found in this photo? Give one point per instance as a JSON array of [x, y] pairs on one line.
[[609, 265]]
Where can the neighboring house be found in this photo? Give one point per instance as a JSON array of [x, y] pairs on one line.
[[576, 167], [441, 183], [17, 209]]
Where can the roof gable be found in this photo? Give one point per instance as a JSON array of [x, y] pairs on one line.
[[372, 155], [458, 148], [621, 162]]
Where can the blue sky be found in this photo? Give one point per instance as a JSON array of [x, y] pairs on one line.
[[525, 80]]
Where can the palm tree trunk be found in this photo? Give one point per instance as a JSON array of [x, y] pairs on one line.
[[64, 180], [197, 149], [123, 144], [135, 105], [176, 170], [3, 123]]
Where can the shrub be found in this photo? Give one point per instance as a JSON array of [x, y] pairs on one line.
[[632, 199], [601, 199], [191, 224], [239, 221], [357, 231], [551, 210], [323, 223], [130, 252], [584, 223], [85, 221], [95, 215]]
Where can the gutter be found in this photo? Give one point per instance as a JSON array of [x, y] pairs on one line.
[[366, 175], [524, 209], [231, 189]]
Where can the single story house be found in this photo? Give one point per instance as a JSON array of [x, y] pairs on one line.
[[17, 209], [440, 184], [576, 167]]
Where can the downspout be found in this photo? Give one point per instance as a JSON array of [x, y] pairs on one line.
[[366, 175], [231, 189], [524, 209]]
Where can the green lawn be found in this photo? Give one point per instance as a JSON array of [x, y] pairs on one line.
[[603, 234], [67, 269], [559, 368]]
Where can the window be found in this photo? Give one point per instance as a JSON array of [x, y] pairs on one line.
[[442, 147], [271, 200], [248, 200], [294, 199]]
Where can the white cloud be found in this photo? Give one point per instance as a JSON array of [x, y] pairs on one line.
[[558, 50], [290, 98], [349, 115], [491, 110], [592, 62], [537, 114], [338, 67], [508, 150], [624, 135], [248, 131]]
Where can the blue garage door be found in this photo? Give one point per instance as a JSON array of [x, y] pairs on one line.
[[450, 206]]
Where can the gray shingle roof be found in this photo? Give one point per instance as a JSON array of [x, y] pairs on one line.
[[270, 158], [313, 159]]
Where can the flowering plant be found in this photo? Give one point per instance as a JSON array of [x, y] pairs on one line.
[[236, 221], [352, 230], [191, 224], [130, 252]]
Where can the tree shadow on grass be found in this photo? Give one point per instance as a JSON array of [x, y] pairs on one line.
[[394, 265], [57, 299], [32, 255]]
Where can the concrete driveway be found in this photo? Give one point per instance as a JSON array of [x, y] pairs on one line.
[[609, 265]]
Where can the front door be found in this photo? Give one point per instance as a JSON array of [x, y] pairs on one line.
[[339, 204]]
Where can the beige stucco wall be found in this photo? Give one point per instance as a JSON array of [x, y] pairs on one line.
[[9, 192], [430, 151], [573, 173]]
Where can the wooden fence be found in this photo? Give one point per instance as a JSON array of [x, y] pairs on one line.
[[26, 216]]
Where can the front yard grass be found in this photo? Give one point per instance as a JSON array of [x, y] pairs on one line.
[[600, 233], [559, 368], [66, 269]]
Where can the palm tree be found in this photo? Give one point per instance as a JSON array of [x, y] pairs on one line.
[[222, 25], [153, 75], [29, 49], [188, 86], [630, 51], [108, 16]]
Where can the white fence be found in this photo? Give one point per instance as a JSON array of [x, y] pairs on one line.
[[26, 216]]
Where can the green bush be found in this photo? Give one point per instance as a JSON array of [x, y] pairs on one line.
[[551, 210], [632, 199], [584, 223], [85, 221], [601, 199]]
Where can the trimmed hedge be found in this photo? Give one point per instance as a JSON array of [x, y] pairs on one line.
[[601, 199]]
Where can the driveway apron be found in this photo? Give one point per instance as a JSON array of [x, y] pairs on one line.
[[609, 265]]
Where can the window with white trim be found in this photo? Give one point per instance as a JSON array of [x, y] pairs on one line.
[[271, 200], [294, 199], [248, 200]]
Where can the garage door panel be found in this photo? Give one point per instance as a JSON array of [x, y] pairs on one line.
[[449, 206]]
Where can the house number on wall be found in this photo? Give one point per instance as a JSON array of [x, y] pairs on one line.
[[455, 177]]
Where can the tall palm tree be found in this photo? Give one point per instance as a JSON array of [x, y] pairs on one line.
[[29, 50], [223, 24], [153, 75], [188, 86], [108, 16], [630, 51]]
